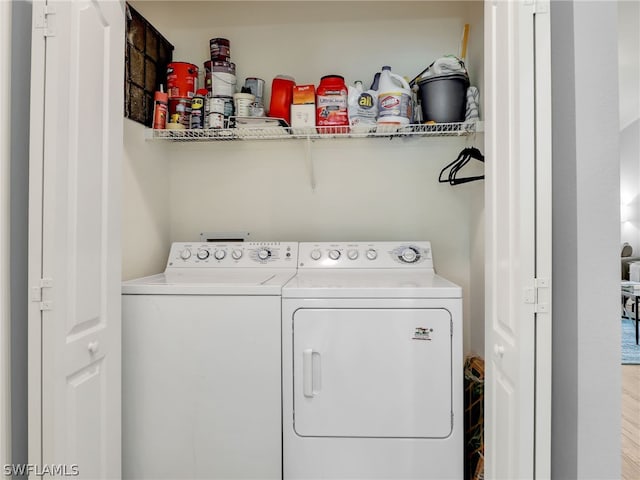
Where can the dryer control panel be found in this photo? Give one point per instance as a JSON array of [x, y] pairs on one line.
[[365, 255], [233, 255]]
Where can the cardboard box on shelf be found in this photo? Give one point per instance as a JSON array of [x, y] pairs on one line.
[[303, 118], [304, 94]]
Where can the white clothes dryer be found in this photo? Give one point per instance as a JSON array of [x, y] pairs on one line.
[[202, 363], [372, 365]]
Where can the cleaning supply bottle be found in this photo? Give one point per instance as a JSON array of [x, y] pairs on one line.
[[281, 97], [332, 105], [363, 108], [394, 99], [160, 109]]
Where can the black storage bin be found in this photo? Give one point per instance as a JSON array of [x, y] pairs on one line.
[[444, 98]]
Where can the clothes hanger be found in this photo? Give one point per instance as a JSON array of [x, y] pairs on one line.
[[465, 156]]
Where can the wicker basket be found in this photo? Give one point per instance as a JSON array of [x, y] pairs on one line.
[[474, 417]]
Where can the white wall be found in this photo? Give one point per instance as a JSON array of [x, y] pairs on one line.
[[586, 296], [372, 189], [628, 61], [476, 221], [314, 38], [630, 185], [145, 204], [629, 102]]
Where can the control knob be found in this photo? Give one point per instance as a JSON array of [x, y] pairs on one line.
[[202, 254], [372, 254], [236, 254], [220, 254], [316, 254], [264, 253], [334, 254], [352, 254], [185, 254], [409, 255]]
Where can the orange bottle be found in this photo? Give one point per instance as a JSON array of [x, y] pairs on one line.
[[160, 107], [281, 97]]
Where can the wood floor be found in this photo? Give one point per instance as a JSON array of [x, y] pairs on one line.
[[630, 422]]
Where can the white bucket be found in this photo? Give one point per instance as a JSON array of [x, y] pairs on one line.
[[223, 84], [242, 102]]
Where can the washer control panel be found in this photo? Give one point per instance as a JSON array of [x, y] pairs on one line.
[[365, 255], [233, 254]]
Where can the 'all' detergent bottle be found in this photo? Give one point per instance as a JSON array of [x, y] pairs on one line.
[[394, 99]]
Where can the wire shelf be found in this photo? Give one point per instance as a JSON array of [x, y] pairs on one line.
[[315, 133]]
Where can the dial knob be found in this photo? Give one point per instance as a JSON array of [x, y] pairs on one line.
[[203, 254], [316, 254], [220, 254], [185, 254], [236, 254], [352, 254], [409, 255], [372, 254], [264, 254], [334, 254]]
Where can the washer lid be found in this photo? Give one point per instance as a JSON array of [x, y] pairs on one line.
[[232, 281], [367, 283]]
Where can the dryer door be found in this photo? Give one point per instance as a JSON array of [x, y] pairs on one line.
[[372, 372]]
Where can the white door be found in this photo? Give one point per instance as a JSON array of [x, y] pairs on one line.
[[518, 256], [373, 372], [74, 243]]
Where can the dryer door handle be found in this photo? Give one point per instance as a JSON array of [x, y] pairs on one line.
[[310, 382]]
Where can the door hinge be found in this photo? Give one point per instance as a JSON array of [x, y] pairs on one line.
[[36, 293], [532, 295], [42, 12], [539, 6]]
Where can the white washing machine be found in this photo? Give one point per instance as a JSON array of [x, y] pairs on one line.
[[372, 365], [202, 363]]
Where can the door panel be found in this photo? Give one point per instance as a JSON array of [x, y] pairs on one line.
[[88, 162], [510, 335], [372, 372], [85, 387], [79, 169], [511, 254]]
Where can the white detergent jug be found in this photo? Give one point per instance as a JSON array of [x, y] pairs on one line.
[[394, 99], [362, 107]]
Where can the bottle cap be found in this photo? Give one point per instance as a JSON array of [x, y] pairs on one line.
[[161, 96], [339, 77]]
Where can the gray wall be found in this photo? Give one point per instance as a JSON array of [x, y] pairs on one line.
[[20, 86], [586, 241]]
